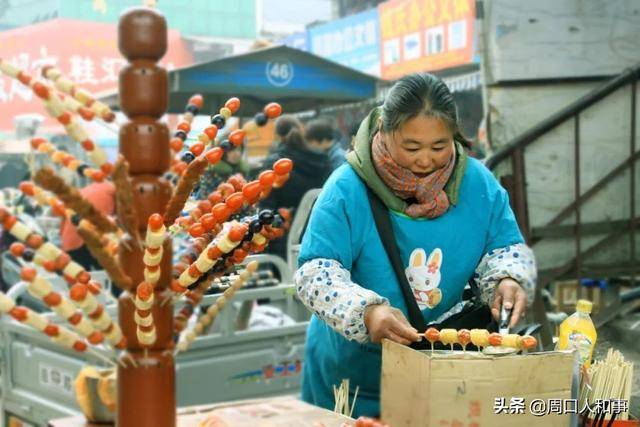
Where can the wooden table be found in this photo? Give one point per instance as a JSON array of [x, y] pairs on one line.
[[277, 411]]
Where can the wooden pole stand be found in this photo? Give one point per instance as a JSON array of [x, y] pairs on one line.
[[146, 379]]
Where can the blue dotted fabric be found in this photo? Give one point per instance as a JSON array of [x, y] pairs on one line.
[[516, 262], [325, 287]]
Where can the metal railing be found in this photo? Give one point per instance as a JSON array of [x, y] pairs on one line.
[[516, 185]]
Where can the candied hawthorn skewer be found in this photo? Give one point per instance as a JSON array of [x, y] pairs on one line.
[[206, 138], [67, 86], [58, 208], [58, 334], [146, 330], [224, 243], [84, 297], [67, 160], [42, 289], [213, 310], [53, 259], [154, 240], [481, 338], [253, 241], [55, 106], [194, 105]]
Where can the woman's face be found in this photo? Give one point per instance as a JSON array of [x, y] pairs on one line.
[[422, 144]]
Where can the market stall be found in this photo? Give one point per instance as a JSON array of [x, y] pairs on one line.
[[295, 79], [179, 332], [161, 292]]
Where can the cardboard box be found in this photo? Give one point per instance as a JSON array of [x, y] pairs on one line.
[[444, 388]]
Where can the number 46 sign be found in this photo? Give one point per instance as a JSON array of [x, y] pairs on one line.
[[279, 73]]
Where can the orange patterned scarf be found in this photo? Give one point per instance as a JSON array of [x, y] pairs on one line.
[[428, 190]]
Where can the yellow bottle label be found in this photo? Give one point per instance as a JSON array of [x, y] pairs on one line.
[[582, 343]]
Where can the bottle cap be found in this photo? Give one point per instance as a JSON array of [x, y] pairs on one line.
[[584, 306]]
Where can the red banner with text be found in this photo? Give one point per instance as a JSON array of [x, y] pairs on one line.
[[85, 52]]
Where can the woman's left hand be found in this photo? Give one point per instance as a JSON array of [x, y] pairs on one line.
[[510, 294]]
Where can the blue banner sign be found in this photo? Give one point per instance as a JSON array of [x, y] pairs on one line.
[[353, 41]]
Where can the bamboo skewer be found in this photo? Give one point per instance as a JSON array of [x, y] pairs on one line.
[[611, 379], [105, 359], [341, 396], [214, 309]]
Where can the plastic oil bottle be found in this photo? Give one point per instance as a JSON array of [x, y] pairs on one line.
[[578, 332]]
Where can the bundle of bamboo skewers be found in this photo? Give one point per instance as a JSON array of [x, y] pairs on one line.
[[608, 380], [341, 396]]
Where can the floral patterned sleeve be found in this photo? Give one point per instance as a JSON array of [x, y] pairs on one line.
[[325, 287], [516, 262]]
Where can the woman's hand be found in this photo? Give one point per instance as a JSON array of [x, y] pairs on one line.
[[510, 294], [383, 321]]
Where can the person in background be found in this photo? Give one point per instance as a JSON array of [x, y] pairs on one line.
[[102, 195], [319, 137], [311, 168], [232, 163], [283, 126]]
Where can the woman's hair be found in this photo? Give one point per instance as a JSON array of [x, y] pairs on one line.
[[318, 130], [290, 131], [421, 93]]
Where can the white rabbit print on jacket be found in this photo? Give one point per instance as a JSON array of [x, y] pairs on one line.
[[424, 277]]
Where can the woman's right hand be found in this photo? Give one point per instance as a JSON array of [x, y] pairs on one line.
[[383, 321]]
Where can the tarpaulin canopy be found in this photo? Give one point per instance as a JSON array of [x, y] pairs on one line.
[[297, 80]]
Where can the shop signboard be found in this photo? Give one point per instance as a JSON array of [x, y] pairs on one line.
[[353, 41], [425, 35]]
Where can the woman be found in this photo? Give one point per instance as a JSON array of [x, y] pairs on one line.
[[451, 221]]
